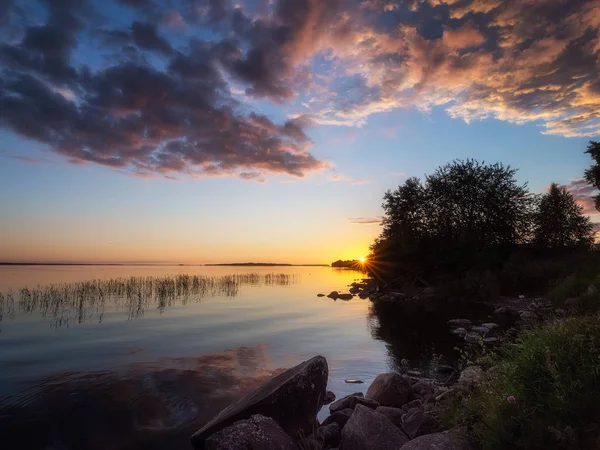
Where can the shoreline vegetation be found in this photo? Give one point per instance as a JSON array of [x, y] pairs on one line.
[[246, 264]]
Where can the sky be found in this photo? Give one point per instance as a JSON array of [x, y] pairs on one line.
[[211, 131]]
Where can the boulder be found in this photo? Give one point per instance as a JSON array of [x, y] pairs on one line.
[[292, 399], [390, 389], [412, 404], [369, 430], [364, 293], [460, 323], [334, 295], [417, 422], [320, 295], [490, 325], [423, 389], [354, 290], [460, 331], [339, 417], [436, 441], [472, 338], [480, 330], [394, 415], [330, 435], [345, 296], [350, 401], [329, 397], [257, 432]]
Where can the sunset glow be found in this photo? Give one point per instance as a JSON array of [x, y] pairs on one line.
[[155, 131]]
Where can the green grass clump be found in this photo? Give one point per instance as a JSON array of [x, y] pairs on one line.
[[554, 377]]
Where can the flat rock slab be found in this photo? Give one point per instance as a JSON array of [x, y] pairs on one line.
[[436, 441], [369, 430], [256, 433], [292, 399]]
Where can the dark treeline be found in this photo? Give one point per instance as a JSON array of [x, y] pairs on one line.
[[469, 217]]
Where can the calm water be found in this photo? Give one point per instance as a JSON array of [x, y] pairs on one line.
[[133, 372]]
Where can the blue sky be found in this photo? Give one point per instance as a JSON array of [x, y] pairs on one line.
[[197, 131]]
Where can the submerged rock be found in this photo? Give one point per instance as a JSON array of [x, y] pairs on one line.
[[334, 295], [292, 399], [390, 389], [256, 432], [345, 296], [369, 430], [436, 441], [320, 295]]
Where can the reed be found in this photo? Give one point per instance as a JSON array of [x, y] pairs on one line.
[[84, 300]]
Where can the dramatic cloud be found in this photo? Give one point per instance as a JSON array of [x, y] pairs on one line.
[[584, 195], [155, 86]]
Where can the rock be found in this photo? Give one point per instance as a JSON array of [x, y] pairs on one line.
[[320, 295], [354, 290], [460, 323], [591, 290], [370, 430], [330, 434], [353, 381], [339, 417], [521, 297], [334, 295], [506, 311], [459, 331], [256, 432], [471, 377], [490, 325], [394, 415], [417, 422], [423, 389], [435, 441], [491, 340], [329, 397], [374, 296], [351, 401], [412, 404], [527, 315], [292, 399], [390, 389], [364, 294], [480, 330], [429, 290], [472, 338], [345, 296]]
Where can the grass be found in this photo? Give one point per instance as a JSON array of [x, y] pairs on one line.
[[554, 376], [83, 300]]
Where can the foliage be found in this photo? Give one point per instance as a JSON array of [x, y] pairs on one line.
[[592, 174], [559, 221], [554, 377], [465, 212]]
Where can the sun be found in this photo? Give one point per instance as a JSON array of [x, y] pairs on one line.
[[362, 260]]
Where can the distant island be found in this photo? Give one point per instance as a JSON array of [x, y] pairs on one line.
[[348, 264], [253, 264]]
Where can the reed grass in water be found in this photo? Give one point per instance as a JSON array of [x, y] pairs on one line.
[[86, 300]]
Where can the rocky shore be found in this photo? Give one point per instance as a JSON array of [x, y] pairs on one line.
[[396, 412]]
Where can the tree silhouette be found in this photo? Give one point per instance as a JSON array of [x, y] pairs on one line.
[[592, 174], [559, 221]]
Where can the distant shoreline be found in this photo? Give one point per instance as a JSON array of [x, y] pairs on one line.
[[166, 264]]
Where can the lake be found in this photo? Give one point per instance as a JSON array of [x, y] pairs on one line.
[[143, 362]]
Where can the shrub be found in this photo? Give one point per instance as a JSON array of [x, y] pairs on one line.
[[553, 378]]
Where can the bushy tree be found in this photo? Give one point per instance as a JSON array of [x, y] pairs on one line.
[[559, 221], [463, 209], [592, 174]]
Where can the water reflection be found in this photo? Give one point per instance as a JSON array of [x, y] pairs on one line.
[[419, 340], [86, 300], [150, 406]]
